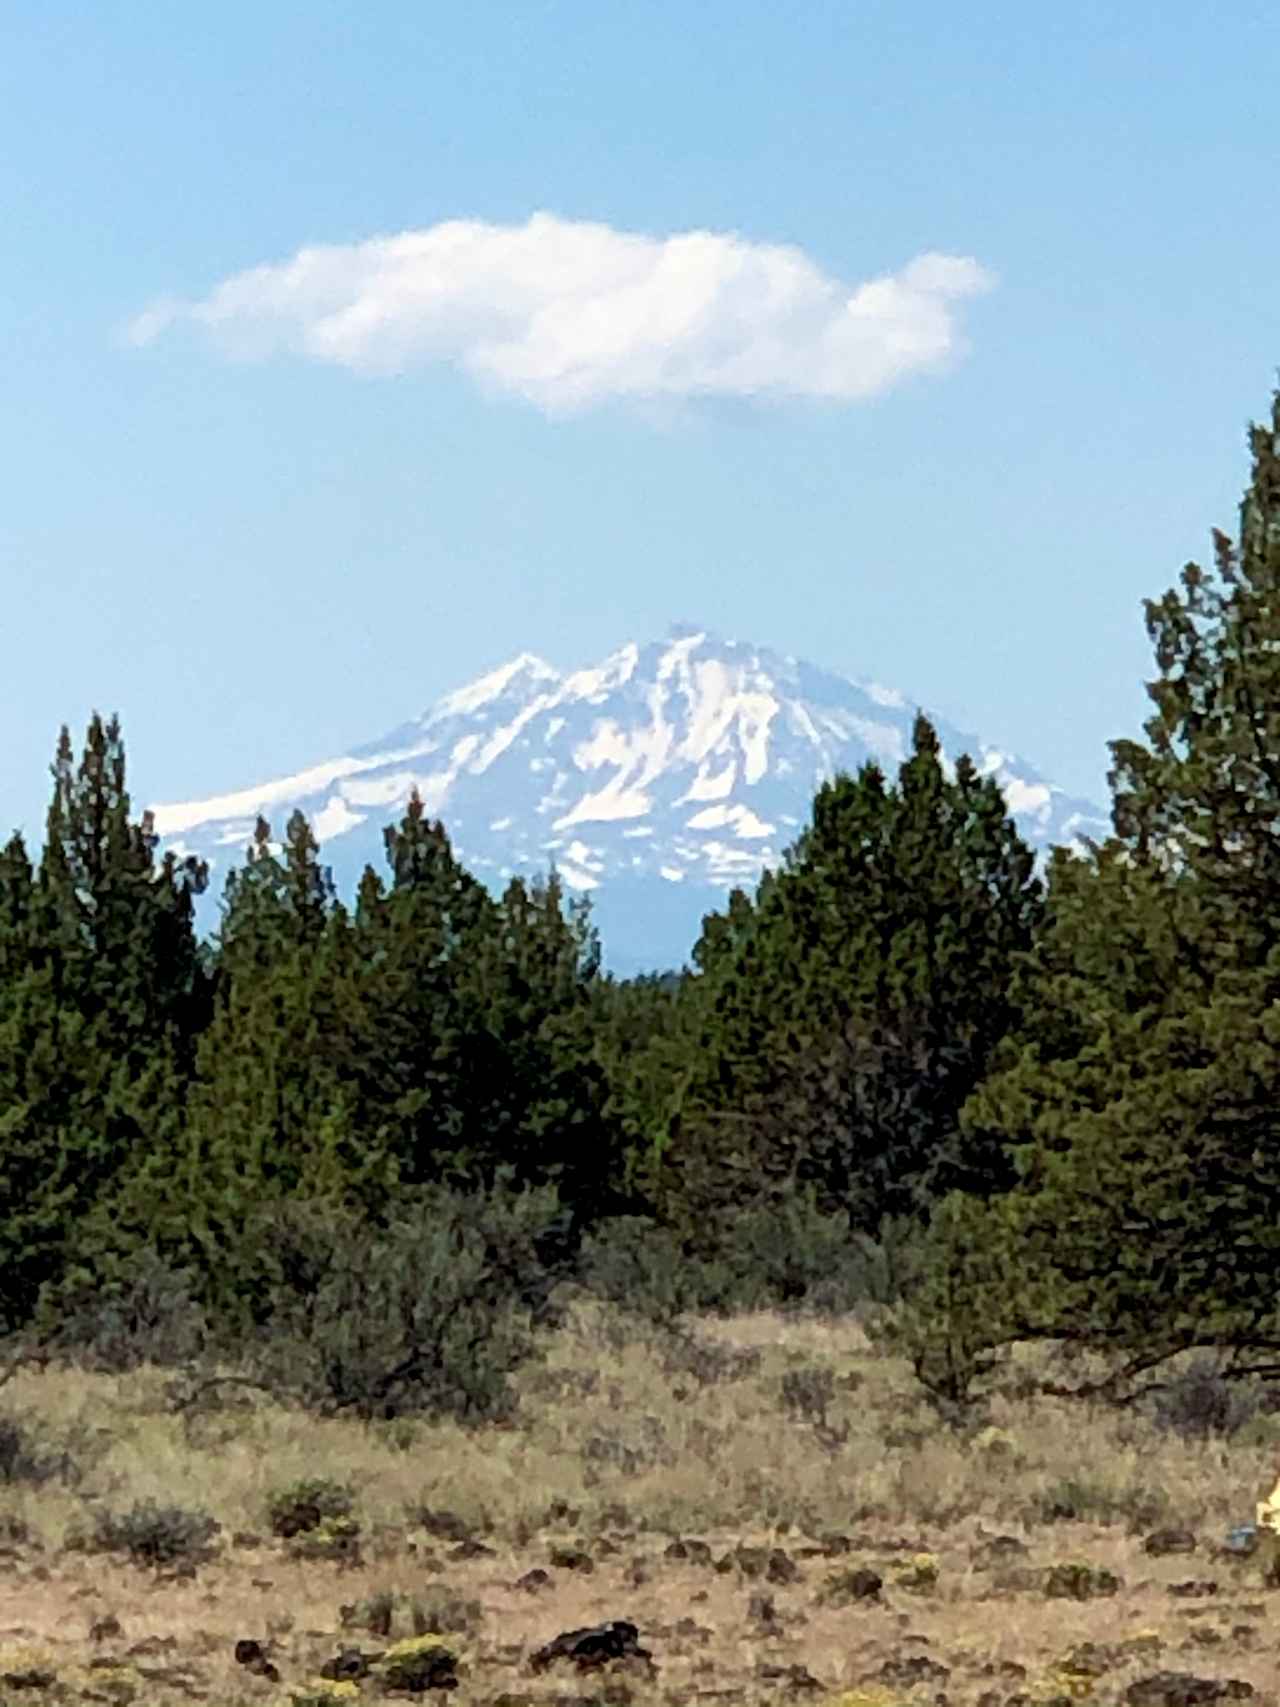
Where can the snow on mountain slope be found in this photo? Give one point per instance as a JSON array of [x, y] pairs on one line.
[[657, 780]]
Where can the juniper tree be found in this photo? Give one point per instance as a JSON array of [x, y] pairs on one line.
[[1138, 1094], [410, 1051], [102, 997], [541, 1093], [842, 1027], [271, 1114], [275, 902]]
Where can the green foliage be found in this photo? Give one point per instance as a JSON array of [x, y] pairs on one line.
[[336, 1538], [150, 1534], [416, 1665], [361, 1147], [643, 1034], [634, 1262], [102, 996], [541, 1092], [966, 1276], [123, 1313], [307, 1504], [1137, 1094], [788, 1255], [273, 904], [315, 1517], [406, 1048], [838, 1026], [1199, 1405], [25, 1458], [429, 1311]]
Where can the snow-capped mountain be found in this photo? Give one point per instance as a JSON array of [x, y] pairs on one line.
[[656, 780]]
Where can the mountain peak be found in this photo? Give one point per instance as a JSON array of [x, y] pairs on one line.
[[656, 779], [524, 672]]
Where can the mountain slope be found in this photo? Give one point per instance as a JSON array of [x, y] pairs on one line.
[[656, 780]]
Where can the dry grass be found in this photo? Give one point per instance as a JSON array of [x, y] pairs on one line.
[[625, 1438]]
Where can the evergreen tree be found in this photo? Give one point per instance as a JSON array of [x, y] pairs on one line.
[[643, 1029], [842, 1025], [1138, 1092], [274, 1115], [410, 1052], [102, 997], [17, 910], [270, 1116], [272, 904], [475, 1051], [528, 991]]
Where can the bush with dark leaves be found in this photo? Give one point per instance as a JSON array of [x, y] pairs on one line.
[[150, 1534], [429, 1312], [642, 1266], [1199, 1403], [808, 1392], [306, 1505], [143, 1310], [788, 1254], [24, 1459], [708, 1362]]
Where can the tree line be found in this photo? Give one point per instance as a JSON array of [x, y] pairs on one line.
[[1055, 1091]]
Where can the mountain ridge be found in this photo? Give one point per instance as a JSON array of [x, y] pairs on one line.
[[684, 764]]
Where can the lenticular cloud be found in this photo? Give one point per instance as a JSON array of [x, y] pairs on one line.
[[567, 314]]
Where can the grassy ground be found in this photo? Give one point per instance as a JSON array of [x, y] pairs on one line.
[[627, 1439]]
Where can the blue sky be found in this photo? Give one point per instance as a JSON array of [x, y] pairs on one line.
[[276, 517]]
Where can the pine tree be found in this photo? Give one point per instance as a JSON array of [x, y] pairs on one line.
[[17, 910], [1138, 1092], [270, 1114], [274, 1116], [102, 996], [645, 1031], [528, 992], [410, 1054], [844, 1023], [272, 904]]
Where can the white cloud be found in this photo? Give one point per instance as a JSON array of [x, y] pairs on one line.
[[566, 314]]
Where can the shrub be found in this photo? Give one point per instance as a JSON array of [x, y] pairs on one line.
[[376, 1614], [335, 1538], [324, 1692], [416, 1665], [1072, 1500], [843, 1270], [151, 1534], [798, 1257], [22, 1459], [789, 1254], [1199, 1403], [918, 1575], [428, 1313], [947, 1326], [306, 1505], [706, 1361], [642, 1266], [440, 1612], [436, 1612], [145, 1311], [1074, 1580], [807, 1392]]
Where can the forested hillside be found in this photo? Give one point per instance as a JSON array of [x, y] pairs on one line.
[[904, 1070]]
